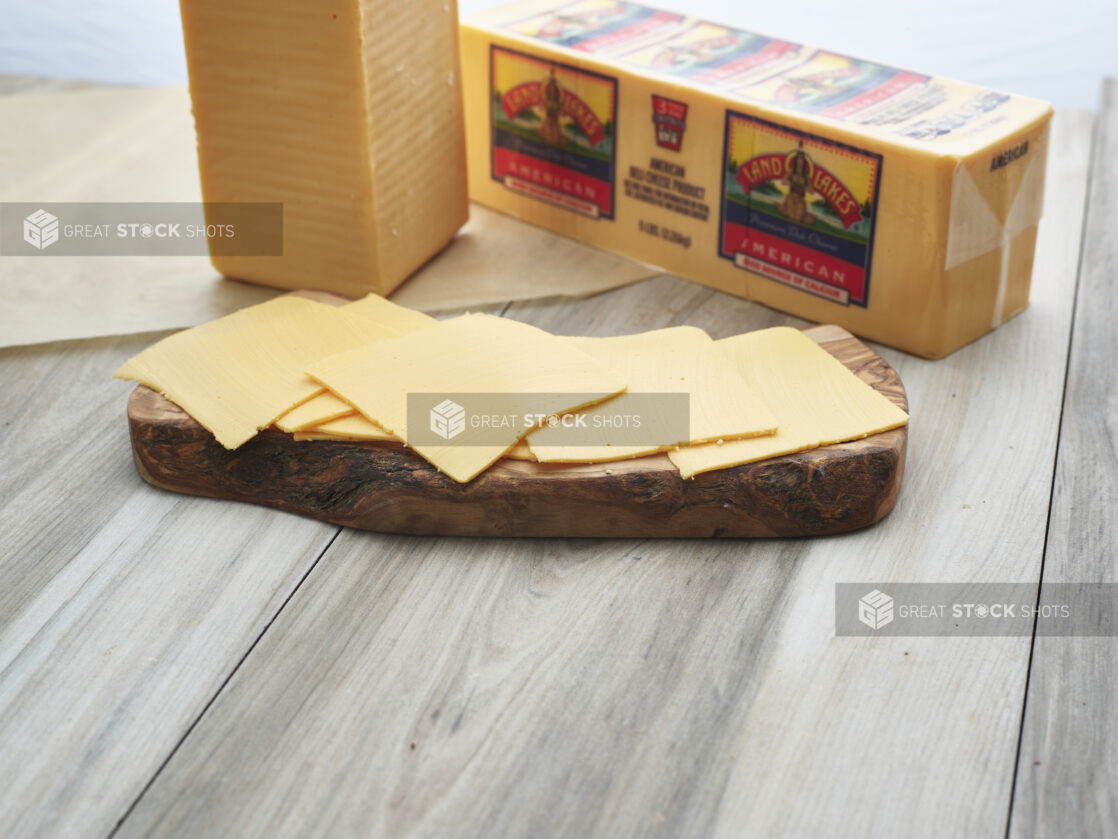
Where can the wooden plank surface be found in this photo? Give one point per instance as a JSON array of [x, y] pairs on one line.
[[122, 608], [1067, 774], [639, 688]]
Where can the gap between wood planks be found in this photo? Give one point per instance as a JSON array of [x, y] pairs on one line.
[[1051, 495], [190, 728], [236, 667]]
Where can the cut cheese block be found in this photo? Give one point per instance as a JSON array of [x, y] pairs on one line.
[[237, 374], [346, 112], [497, 362], [324, 406], [900, 205], [816, 399], [677, 360]]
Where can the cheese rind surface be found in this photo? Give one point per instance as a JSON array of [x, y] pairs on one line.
[[816, 399], [676, 360], [326, 107], [530, 370], [901, 206]]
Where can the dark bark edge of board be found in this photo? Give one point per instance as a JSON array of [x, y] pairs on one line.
[[386, 488]]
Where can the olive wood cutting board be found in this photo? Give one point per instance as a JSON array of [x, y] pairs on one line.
[[383, 486]]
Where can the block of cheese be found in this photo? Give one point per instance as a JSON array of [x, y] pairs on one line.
[[901, 206], [498, 364], [324, 406], [237, 374], [346, 112], [676, 360], [816, 399]]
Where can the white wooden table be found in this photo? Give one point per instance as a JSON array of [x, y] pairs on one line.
[[181, 666]]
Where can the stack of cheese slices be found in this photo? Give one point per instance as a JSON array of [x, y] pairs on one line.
[[324, 372]]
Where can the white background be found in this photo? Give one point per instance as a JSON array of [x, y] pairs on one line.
[[1058, 51]]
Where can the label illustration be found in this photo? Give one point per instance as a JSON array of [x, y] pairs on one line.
[[604, 27], [836, 86], [553, 131], [757, 68], [669, 119], [717, 56], [798, 208]]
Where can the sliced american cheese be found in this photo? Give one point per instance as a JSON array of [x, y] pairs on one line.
[[520, 452], [376, 308], [368, 432], [534, 372], [817, 401], [324, 406], [237, 374], [677, 360], [353, 427]]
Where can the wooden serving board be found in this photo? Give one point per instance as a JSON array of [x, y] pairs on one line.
[[388, 488]]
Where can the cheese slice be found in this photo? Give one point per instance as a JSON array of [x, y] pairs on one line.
[[237, 374], [816, 400], [377, 308], [534, 372], [520, 452], [677, 360], [356, 429], [353, 427], [324, 406], [346, 112]]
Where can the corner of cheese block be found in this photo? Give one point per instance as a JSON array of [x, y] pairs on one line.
[[346, 112]]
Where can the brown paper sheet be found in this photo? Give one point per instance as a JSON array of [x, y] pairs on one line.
[[137, 144]]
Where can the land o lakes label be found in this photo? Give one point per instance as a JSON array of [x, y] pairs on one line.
[[798, 208], [776, 171], [553, 132]]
